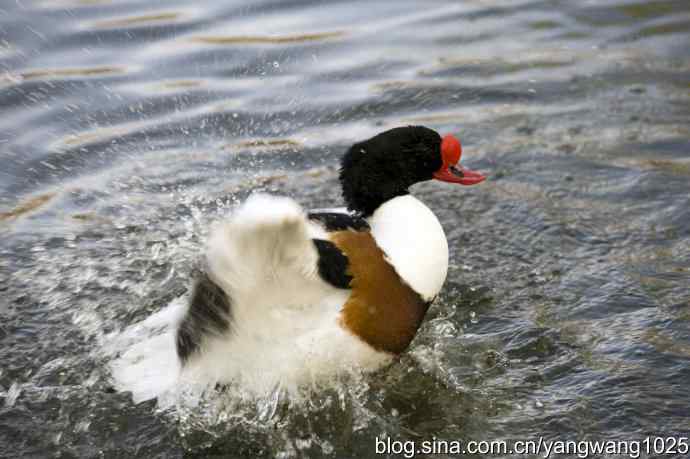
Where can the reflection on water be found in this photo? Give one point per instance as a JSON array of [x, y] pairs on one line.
[[240, 40], [26, 206], [133, 21], [126, 130]]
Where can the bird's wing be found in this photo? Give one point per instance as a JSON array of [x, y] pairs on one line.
[[267, 238], [268, 255], [338, 220]]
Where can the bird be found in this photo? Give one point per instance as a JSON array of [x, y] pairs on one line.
[[287, 297]]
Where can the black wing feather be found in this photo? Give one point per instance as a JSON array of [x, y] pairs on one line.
[[332, 264], [210, 311], [336, 221]]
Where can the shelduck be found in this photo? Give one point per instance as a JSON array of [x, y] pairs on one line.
[[290, 297]]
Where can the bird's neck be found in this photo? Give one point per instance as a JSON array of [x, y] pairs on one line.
[[366, 203]]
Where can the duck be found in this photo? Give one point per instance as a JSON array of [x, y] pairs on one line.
[[290, 298]]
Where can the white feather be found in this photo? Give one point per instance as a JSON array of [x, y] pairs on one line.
[[285, 328], [147, 365], [414, 242]]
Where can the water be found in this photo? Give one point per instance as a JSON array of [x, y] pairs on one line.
[[128, 127]]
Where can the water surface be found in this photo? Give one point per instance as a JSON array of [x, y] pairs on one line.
[[127, 127]]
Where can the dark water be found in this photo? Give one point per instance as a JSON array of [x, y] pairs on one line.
[[127, 127]]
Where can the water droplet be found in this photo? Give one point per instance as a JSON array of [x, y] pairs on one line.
[[13, 394], [326, 447], [92, 379], [83, 425], [156, 251], [303, 443]]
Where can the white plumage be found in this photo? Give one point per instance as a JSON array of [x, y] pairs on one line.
[[414, 242], [284, 328]]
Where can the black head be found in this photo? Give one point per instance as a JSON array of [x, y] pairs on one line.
[[385, 166]]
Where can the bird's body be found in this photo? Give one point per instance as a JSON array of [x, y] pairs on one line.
[[288, 298], [285, 320]]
